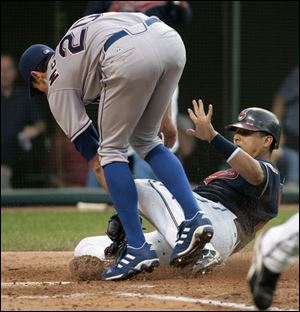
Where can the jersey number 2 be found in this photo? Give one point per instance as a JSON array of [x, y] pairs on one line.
[[73, 48]]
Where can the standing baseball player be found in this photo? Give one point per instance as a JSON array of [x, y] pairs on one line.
[[130, 64], [238, 201], [176, 12], [274, 251]]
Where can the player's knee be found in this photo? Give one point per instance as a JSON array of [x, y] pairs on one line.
[[143, 148], [140, 147], [110, 156]]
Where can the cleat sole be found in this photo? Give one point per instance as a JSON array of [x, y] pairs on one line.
[[194, 253]]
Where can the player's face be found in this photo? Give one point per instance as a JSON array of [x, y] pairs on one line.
[[253, 143]]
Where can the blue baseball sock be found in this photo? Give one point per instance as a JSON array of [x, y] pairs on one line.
[[169, 170], [124, 196]]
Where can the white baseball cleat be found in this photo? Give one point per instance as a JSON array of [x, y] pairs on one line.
[[208, 260]]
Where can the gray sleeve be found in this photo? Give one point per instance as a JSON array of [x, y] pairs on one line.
[[69, 112]]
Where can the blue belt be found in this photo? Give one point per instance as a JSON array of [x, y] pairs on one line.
[[123, 33]]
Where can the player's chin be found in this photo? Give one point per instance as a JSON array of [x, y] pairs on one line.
[[87, 268]]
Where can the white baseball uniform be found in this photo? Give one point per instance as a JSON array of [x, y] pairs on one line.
[[163, 211], [280, 245]]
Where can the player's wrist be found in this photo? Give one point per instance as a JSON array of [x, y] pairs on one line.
[[212, 135], [226, 148], [87, 143]]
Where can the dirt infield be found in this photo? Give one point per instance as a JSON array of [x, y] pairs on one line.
[[35, 281]]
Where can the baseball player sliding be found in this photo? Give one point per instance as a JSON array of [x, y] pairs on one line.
[[238, 201], [130, 64]]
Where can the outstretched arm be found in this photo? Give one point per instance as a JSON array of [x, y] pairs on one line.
[[248, 167]]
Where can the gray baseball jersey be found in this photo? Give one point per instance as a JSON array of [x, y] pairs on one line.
[[125, 76]]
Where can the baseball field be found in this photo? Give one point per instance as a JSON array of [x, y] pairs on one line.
[[37, 247]]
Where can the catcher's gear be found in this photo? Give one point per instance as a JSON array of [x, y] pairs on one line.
[[116, 233], [258, 119]]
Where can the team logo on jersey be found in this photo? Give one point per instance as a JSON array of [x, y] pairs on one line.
[[229, 174]]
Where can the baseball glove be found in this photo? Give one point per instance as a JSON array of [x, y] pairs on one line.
[[116, 233]]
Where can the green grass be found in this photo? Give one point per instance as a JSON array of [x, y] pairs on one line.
[[284, 214], [51, 231], [61, 231]]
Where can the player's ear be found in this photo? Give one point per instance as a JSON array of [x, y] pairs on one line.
[[268, 140]]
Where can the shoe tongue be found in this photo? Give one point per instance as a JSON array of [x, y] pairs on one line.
[[121, 252], [180, 229]]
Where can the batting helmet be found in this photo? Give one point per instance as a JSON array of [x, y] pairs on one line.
[[258, 119], [29, 61]]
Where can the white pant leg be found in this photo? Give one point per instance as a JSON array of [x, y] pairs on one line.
[[225, 233], [160, 208], [280, 245], [162, 247], [95, 246], [92, 246]]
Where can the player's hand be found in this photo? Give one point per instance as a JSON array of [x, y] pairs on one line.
[[168, 133], [96, 166], [30, 132], [202, 121]]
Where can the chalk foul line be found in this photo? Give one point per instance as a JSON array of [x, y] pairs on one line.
[[204, 301]]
